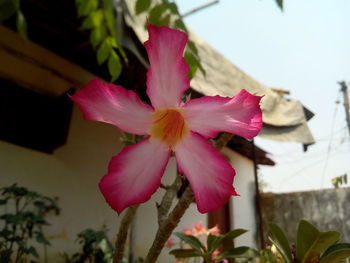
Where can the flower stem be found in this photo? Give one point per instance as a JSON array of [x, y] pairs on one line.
[[123, 233], [170, 194], [168, 225], [223, 140]]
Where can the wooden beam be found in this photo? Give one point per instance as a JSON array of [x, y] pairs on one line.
[[37, 68]]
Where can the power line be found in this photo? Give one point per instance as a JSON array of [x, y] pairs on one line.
[[322, 139], [303, 169], [330, 141]]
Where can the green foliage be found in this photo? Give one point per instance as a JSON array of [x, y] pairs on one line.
[[22, 219], [215, 249], [192, 241], [21, 24], [95, 248], [114, 65], [166, 13], [186, 253], [130, 139], [213, 242], [267, 256], [142, 6], [99, 17], [312, 245], [336, 253], [340, 180], [280, 240], [9, 8], [235, 252], [280, 4]]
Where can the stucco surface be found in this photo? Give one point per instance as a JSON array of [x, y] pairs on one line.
[[327, 209]]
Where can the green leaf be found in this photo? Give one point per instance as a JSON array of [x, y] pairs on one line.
[[179, 24], [13, 218], [128, 138], [142, 6], [86, 7], [173, 8], [336, 257], [279, 238], [192, 62], [233, 253], [111, 42], [156, 13], [192, 47], [7, 9], [97, 35], [213, 242], [185, 253], [5, 233], [114, 65], [165, 21], [109, 15], [41, 239], [235, 233], [39, 220], [280, 4], [94, 19], [311, 242], [103, 52], [21, 24], [31, 250], [336, 247], [192, 241]]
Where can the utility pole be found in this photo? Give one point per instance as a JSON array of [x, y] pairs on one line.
[[344, 89]]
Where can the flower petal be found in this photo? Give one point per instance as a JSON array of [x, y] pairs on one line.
[[134, 174], [209, 173], [115, 105], [239, 115], [167, 75]]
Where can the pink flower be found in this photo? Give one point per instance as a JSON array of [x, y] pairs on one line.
[[170, 243], [214, 230], [199, 229], [169, 125], [215, 254]]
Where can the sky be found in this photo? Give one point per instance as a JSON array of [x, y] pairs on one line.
[[304, 49]]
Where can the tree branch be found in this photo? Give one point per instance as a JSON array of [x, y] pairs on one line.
[[167, 200], [123, 233], [223, 140], [168, 225]]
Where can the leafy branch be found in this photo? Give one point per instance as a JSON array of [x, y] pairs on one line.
[[99, 17], [166, 13], [10, 8], [23, 220]]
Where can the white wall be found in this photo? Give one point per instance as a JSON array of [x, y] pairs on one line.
[[242, 207], [72, 174]]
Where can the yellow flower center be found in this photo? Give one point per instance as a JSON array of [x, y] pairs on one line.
[[169, 126]]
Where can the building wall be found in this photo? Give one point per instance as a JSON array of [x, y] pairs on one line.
[[242, 207], [328, 209], [73, 172]]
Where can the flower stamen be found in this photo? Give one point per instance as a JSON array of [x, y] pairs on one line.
[[169, 126]]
